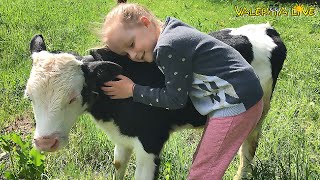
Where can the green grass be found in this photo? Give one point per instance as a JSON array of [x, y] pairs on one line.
[[290, 143]]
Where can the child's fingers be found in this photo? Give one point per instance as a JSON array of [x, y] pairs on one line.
[[121, 76], [112, 83], [107, 89], [109, 83], [110, 94], [106, 84]]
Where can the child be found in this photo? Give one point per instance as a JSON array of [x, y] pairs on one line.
[[218, 80]]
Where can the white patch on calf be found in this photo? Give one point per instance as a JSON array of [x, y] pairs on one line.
[[145, 161], [262, 46], [145, 166], [113, 132], [55, 81]]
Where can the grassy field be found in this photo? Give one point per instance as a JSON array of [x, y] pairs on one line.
[[290, 144]]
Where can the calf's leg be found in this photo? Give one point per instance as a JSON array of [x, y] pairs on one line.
[[249, 146], [121, 157], [246, 153], [146, 165]]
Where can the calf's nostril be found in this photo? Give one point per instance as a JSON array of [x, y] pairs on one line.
[[55, 144], [35, 141]]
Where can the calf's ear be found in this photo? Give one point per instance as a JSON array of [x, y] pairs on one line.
[[87, 59], [100, 55], [103, 54], [100, 71], [37, 44]]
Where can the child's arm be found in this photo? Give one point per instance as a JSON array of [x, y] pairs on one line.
[[178, 79]]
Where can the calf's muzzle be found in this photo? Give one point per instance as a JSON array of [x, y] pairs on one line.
[[47, 143]]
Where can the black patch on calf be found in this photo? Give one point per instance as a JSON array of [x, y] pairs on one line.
[[240, 43], [95, 74], [136, 71], [278, 55], [157, 163]]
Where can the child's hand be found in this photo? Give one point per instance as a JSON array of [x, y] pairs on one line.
[[119, 89]]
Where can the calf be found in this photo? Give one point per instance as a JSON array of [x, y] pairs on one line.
[[62, 86]]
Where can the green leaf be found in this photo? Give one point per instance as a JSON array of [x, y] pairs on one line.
[[6, 147], [2, 165], [17, 139], [8, 175], [36, 157], [167, 177], [4, 143]]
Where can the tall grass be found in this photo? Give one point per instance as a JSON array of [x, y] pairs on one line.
[[290, 144]]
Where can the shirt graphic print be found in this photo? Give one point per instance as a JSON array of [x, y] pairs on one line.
[[212, 92]]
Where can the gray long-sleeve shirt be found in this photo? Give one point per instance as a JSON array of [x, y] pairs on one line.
[[217, 78]]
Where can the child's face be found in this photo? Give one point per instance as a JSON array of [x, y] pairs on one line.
[[137, 42]]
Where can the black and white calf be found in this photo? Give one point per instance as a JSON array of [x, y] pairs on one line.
[[62, 86]]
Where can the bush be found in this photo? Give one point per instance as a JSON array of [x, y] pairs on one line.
[[25, 162]]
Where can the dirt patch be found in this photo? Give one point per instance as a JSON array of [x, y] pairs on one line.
[[22, 125]]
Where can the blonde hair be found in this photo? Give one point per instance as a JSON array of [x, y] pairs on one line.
[[128, 14]]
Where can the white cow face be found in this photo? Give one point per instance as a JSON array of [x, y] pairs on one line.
[[55, 89]]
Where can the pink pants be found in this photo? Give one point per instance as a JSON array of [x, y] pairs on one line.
[[220, 142]]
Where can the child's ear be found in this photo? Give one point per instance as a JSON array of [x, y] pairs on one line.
[[145, 21]]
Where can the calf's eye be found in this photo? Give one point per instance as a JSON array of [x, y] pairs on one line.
[[72, 100]]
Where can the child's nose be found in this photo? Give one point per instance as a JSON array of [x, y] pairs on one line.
[[132, 55]]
